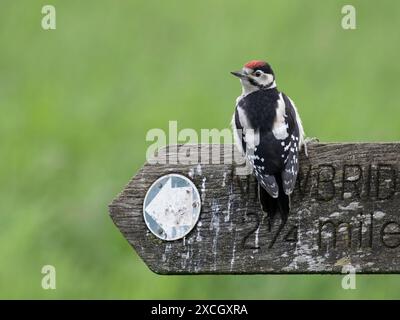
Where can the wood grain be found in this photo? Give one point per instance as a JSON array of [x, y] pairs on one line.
[[344, 211]]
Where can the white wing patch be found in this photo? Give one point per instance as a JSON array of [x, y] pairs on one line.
[[250, 135], [280, 126], [237, 136]]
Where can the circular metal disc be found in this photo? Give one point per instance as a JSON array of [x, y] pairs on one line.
[[171, 207]]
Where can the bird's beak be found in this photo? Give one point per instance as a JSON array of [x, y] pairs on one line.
[[239, 74]]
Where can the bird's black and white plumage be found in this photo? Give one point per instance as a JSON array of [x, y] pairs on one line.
[[269, 133]]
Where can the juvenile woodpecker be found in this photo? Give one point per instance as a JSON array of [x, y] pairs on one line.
[[269, 133]]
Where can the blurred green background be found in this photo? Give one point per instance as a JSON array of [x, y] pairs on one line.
[[76, 103]]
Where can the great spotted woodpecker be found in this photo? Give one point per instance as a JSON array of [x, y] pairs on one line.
[[269, 132]]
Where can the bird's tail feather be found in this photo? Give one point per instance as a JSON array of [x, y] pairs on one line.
[[271, 205]]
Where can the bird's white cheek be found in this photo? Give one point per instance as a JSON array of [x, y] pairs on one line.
[[267, 79]]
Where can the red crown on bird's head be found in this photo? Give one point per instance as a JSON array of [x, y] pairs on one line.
[[253, 64]]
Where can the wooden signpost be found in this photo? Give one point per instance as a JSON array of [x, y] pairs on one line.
[[345, 211]]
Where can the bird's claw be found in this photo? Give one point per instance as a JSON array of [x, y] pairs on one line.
[[308, 141]]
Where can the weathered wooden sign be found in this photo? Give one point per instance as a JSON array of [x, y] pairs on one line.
[[345, 211]]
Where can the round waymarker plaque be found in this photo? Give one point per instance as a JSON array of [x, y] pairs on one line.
[[171, 207]]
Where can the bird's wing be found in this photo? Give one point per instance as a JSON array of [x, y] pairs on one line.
[[268, 182], [264, 164], [291, 147], [238, 132], [254, 152]]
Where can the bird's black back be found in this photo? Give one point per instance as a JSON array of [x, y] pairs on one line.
[[260, 108]]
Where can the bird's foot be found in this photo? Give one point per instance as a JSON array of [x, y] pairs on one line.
[[308, 141]]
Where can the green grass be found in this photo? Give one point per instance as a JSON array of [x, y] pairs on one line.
[[77, 102]]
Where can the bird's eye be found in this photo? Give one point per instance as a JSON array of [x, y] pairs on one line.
[[258, 73]]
